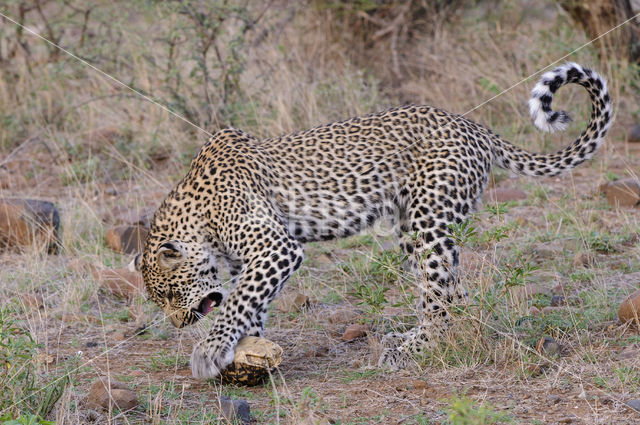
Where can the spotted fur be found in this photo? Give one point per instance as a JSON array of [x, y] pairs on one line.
[[252, 205]]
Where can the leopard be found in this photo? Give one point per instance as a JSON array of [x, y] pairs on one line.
[[247, 206]]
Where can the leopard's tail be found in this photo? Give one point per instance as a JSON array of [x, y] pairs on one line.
[[583, 148]]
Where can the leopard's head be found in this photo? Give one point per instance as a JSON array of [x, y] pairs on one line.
[[182, 279]]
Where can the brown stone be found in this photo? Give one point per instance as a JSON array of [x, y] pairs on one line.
[[634, 134], [355, 331], [419, 384], [28, 222], [120, 282], [622, 193], [630, 308], [583, 259], [504, 194], [107, 393], [292, 303], [127, 239]]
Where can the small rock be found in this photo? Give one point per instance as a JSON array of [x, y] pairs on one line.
[[622, 193], [549, 346], [634, 404], [32, 301], [234, 410], [419, 384], [553, 399], [558, 300], [292, 303], [630, 308], [107, 393], [503, 194], [534, 369], [583, 259], [355, 331], [534, 311], [344, 315], [567, 419], [27, 222], [121, 282], [634, 134], [127, 239]]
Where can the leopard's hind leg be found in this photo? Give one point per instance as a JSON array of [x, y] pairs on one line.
[[432, 259]]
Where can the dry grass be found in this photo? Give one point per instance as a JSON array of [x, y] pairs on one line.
[[71, 136]]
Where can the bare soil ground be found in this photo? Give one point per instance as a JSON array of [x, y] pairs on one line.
[[110, 155]]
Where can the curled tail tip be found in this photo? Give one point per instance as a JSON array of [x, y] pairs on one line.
[[549, 121], [542, 94]]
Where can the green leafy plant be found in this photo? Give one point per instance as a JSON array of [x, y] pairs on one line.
[[463, 411], [23, 392]]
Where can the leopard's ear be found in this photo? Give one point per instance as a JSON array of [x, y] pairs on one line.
[[136, 264], [169, 255]]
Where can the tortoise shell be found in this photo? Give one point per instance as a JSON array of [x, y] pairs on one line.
[[254, 359]]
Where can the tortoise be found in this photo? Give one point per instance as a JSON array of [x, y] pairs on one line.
[[254, 359]]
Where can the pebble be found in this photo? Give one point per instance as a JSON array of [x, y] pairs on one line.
[[419, 384], [234, 410], [622, 193], [634, 134], [553, 399], [292, 302], [355, 331], [127, 239], [549, 346], [120, 282], [630, 308], [558, 300], [106, 393], [504, 194], [634, 404], [28, 222]]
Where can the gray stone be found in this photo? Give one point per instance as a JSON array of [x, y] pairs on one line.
[[634, 404], [634, 134], [558, 300], [234, 410]]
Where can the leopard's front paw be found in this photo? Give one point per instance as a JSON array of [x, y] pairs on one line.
[[208, 359]]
